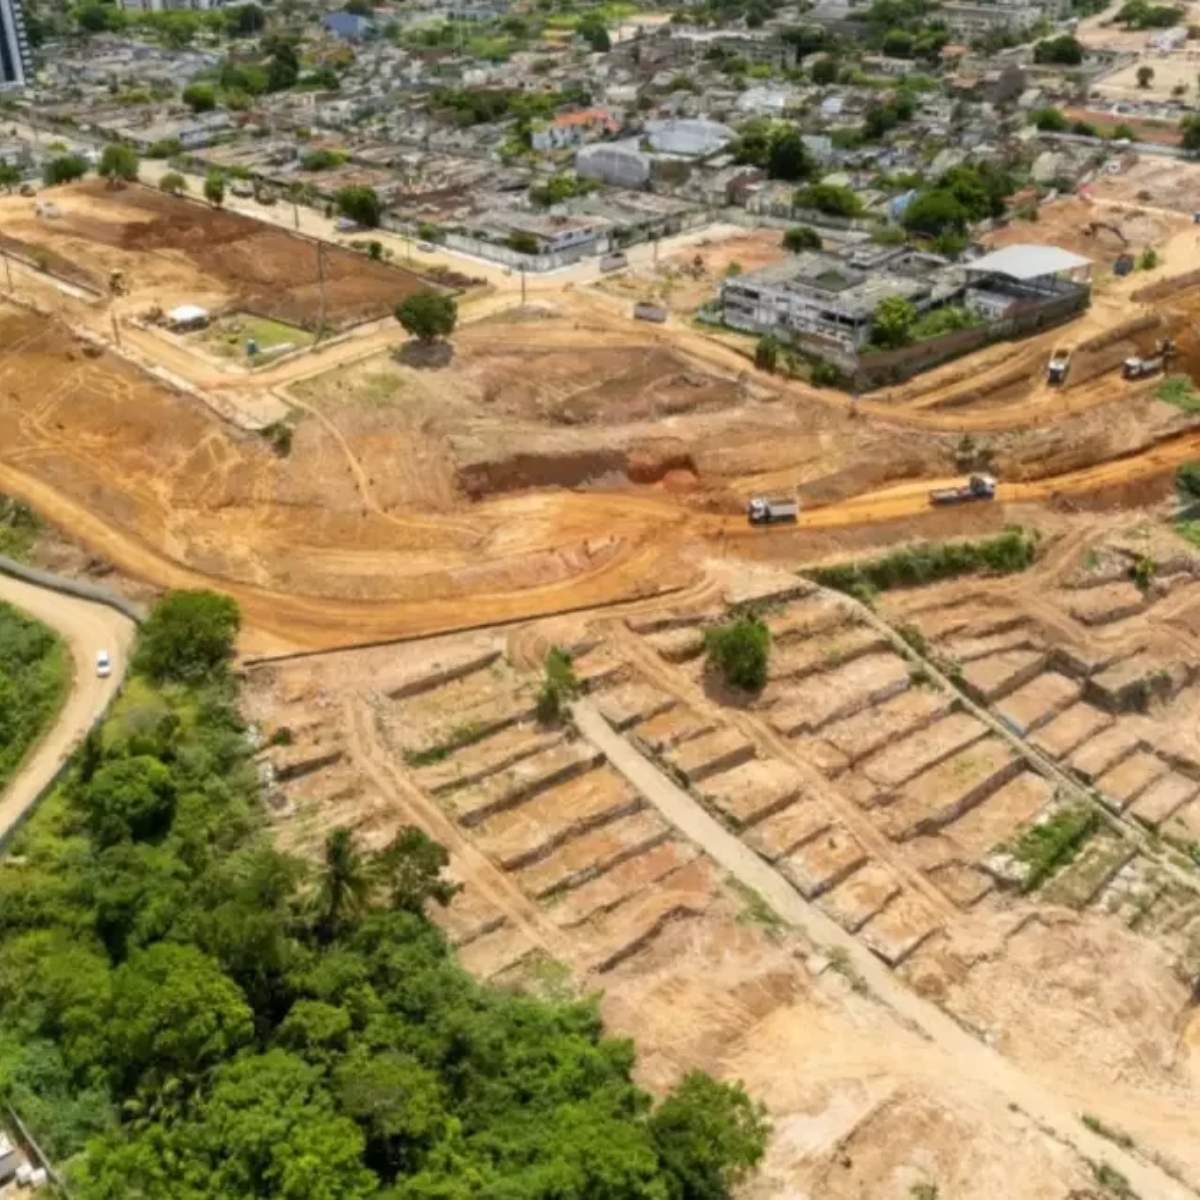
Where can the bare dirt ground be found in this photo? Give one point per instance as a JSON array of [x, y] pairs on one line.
[[1164, 183], [1100, 32], [176, 251], [564, 476]]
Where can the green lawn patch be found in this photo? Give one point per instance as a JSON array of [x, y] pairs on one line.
[[1048, 846], [34, 673], [1180, 391], [19, 528], [229, 336]]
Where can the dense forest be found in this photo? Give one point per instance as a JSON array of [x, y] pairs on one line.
[[34, 671], [186, 1012]]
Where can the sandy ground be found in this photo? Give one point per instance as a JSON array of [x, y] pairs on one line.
[[85, 628]]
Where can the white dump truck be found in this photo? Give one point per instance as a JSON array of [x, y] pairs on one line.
[[763, 511], [978, 487]]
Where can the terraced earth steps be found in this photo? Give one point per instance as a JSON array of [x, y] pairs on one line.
[[1107, 748], [482, 704], [903, 925], [807, 619], [1039, 701], [1091, 871], [1123, 783], [469, 915], [1163, 798], [599, 668], [825, 652], [472, 764], [864, 895], [1184, 823], [996, 676], [901, 761], [808, 706], [1070, 729], [662, 623], [862, 734], [510, 788], [786, 831], [818, 753], [1128, 685], [1106, 603], [671, 728], [678, 644], [752, 791], [289, 763], [710, 754], [980, 615], [961, 883], [521, 835], [442, 674], [968, 648], [823, 862], [632, 703], [591, 854], [494, 952], [1006, 810], [582, 902], [938, 797], [615, 936]]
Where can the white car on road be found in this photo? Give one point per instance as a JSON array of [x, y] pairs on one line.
[[103, 664]]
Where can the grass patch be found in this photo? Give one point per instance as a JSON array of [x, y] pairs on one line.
[[1013, 550], [461, 736], [34, 673], [1116, 1136], [1180, 391], [1189, 531], [840, 961], [1112, 1181], [756, 911], [1049, 846], [559, 687], [19, 528], [229, 336]]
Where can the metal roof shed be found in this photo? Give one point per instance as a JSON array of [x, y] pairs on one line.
[[1028, 262]]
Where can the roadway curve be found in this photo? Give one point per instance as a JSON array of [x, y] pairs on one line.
[[85, 628]]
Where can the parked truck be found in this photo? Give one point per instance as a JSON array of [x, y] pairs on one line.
[[1060, 362], [614, 262], [762, 511], [978, 487], [645, 311], [1136, 367]]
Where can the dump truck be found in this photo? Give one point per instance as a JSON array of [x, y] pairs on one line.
[[1139, 368], [1060, 362], [762, 511], [978, 487]]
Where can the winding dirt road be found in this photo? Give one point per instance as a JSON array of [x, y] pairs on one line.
[[85, 628]]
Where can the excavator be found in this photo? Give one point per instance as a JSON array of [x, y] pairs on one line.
[[1094, 227]]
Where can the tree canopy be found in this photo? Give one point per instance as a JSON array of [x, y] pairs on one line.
[[801, 237], [428, 315], [214, 188], [189, 636], [186, 1011], [118, 161], [892, 324], [360, 204], [739, 652], [64, 169], [1065, 50]]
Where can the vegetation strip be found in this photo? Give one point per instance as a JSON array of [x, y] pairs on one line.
[[1013, 550]]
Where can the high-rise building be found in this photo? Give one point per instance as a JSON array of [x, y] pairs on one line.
[[16, 64]]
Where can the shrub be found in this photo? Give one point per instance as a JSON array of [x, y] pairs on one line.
[[766, 353], [1180, 391], [1148, 259], [559, 687], [428, 315], [1008, 552], [739, 652], [1187, 479], [188, 637], [1049, 845], [173, 183]]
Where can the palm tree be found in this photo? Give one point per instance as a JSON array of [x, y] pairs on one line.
[[345, 886]]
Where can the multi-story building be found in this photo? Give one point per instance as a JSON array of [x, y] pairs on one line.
[[16, 61]]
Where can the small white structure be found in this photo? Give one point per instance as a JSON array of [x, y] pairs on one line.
[[187, 316]]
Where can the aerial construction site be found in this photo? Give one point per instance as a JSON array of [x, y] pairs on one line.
[[932, 893]]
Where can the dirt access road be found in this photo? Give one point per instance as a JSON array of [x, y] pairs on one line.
[[86, 628], [945, 1036]]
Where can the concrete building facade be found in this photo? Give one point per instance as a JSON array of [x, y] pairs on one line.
[[16, 56]]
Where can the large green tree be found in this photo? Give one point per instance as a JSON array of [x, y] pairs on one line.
[[118, 161], [893, 322], [360, 204], [428, 315], [189, 636]]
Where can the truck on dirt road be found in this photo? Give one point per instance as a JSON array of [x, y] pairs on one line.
[[978, 487], [1056, 369], [1136, 367], [761, 511]]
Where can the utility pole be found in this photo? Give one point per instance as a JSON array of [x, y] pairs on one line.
[[116, 330], [321, 290]]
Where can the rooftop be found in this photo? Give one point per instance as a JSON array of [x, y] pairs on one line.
[[1028, 262]]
